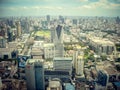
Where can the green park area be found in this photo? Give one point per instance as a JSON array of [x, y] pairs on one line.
[[45, 33]]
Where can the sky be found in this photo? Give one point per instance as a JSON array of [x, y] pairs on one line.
[[59, 7]]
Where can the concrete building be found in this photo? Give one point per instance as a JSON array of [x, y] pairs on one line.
[[75, 56], [57, 39], [34, 71], [59, 50], [3, 42], [62, 63], [57, 74], [19, 31], [49, 50], [79, 66], [102, 46], [37, 51], [7, 53], [52, 32], [48, 18], [58, 34], [55, 84]]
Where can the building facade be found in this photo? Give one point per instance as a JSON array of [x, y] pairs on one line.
[[62, 63], [35, 75], [49, 50], [79, 66]]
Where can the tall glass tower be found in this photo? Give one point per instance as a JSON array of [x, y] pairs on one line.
[[35, 75]]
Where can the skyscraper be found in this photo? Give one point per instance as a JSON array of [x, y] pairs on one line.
[[35, 75], [19, 32], [58, 41], [59, 34], [48, 18], [52, 35], [79, 66], [2, 42]]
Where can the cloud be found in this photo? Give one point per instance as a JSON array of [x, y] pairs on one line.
[[101, 4]]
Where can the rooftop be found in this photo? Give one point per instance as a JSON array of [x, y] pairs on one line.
[[63, 58], [54, 84]]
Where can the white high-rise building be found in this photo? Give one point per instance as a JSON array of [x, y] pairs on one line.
[[49, 50], [75, 56], [80, 66], [57, 39], [19, 31]]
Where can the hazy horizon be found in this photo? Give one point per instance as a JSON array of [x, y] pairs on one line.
[[60, 7]]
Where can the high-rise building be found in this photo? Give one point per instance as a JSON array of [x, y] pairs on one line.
[[59, 50], [75, 21], [2, 42], [19, 31], [75, 55], [49, 50], [48, 18], [58, 41], [61, 19], [79, 66], [35, 74], [58, 34], [52, 35]]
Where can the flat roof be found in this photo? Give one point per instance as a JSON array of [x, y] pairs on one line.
[[54, 84], [111, 70], [48, 45], [103, 41], [63, 58], [34, 60]]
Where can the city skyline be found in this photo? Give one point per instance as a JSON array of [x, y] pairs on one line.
[[59, 7]]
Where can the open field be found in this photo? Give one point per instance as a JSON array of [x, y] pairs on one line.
[[45, 33]]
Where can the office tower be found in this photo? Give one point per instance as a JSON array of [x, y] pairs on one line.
[[10, 35], [62, 63], [58, 34], [61, 19], [58, 41], [117, 20], [35, 75], [27, 26], [19, 31], [2, 42], [52, 35], [80, 66], [75, 55], [75, 21], [49, 50], [48, 18], [59, 50]]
